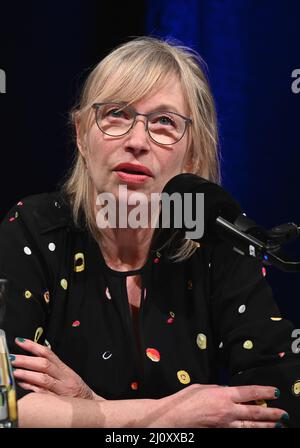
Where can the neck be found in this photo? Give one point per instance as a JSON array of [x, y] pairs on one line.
[[125, 249]]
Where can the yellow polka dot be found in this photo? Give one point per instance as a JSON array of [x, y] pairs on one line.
[[27, 294], [38, 334], [296, 388], [261, 403], [64, 283], [201, 341], [158, 254], [79, 262], [248, 345], [172, 314], [276, 318], [183, 377], [16, 215]]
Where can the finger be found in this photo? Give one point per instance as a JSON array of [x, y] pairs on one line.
[[38, 350], [31, 387], [242, 394], [36, 379], [244, 424], [37, 364], [259, 413]]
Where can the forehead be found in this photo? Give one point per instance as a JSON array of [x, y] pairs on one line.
[[166, 94]]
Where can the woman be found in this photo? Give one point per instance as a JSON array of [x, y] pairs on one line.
[[137, 330]]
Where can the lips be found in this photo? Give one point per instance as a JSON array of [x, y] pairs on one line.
[[133, 168]]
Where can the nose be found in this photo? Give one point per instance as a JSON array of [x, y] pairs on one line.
[[138, 139]]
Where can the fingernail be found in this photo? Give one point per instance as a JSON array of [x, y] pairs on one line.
[[277, 393], [12, 357], [20, 339], [285, 417], [278, 425]]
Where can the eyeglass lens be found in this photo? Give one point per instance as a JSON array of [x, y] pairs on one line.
[[163, 127]]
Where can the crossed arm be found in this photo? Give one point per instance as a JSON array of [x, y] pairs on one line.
[[60, 398]]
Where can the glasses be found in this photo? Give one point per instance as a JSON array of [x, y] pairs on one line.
[[163, 127]]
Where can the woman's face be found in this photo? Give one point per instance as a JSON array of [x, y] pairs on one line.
[[104, 153]]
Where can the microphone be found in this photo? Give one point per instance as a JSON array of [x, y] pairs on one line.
[[221, 218]]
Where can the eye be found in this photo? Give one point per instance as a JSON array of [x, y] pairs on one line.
[[164, 120], [116, 113]]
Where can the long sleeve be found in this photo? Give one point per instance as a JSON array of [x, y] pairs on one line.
[[255, 340], [25, 306]]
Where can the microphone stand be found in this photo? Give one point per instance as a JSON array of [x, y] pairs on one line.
[[248, 239]]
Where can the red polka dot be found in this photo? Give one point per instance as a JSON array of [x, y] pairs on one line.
[[20, 203], [134, 385], [11, 219], [170, 320], [281, 354], [76, 323], [156, 260], [153, 354], [264, 271]]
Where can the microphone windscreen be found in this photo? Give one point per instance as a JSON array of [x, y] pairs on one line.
[[217, 201]]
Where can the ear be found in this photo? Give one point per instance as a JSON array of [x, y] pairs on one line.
[[80, 136]]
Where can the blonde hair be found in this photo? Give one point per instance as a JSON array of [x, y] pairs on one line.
[[129, 73]]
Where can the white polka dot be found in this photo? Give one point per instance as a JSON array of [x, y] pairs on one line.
[[107, 292], [106, 355], [209, 265], [27, 250], [51, 247], [242, 309], [221, 345]]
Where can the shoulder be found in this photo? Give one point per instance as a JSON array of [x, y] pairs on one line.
[[41, 212]]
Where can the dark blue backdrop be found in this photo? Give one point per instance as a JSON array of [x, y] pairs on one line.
[[251, 48]]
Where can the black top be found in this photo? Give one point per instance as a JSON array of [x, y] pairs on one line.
[[211, 312]]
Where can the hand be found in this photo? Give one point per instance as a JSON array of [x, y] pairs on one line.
[[213, 406], [46, 373]]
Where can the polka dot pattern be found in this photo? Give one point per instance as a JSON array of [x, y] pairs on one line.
[[38, 333], [201, 341], [296, 389], [79, 263], [134, 385], [183, 377], [106, 355], [153, 354], [64, 283], [51, 247], [242, 309], [46, 296], [169, 315], [248, 345], [27, 294], [76, 323]]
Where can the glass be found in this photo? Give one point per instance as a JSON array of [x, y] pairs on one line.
[[163, 127]]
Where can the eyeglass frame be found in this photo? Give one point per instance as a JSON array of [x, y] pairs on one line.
[[188, 121]]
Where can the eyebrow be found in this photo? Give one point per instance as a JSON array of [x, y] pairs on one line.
[[166, 107]]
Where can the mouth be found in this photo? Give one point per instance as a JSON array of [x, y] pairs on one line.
[[133, 173]]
